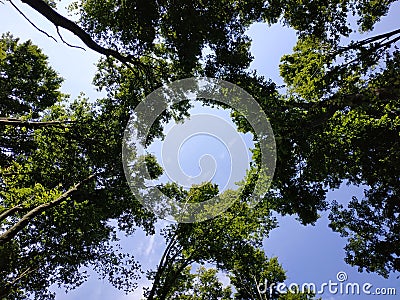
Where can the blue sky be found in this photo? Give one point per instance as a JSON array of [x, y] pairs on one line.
[[204, 154], [309, 254]]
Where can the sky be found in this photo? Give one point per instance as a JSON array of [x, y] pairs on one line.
[[220, 146], [308, 253]]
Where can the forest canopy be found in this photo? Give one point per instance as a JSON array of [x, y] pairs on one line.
[[64, 195]]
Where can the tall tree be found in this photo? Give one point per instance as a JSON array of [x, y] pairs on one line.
[[59, 187], [231, 242], [347, 98]]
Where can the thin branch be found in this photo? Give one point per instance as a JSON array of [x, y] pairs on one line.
[[378, 37], [17, 227], [392, 41], [23, 274], [60, 21], [5, 290], [62, 39], [366, 41], [26, 18], [162, 265], [169, 284], [32, 124], [383, 95], [8, 212]]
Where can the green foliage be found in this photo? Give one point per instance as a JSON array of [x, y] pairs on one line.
[[50, 230], [329, 19], [202, 285], [371, 142], [337, 123], [347, 100], [27, 83], [297, 296], [220, 241], [137, 27], [305, 69], [231, 242]]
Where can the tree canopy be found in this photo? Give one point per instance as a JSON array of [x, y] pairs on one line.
[[63, 189]]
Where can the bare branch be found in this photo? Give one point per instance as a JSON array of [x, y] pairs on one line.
[[381, 37], [17, 227], [23, 274], [32, 124], [26, 18], [162, 266], [60, 21], [390, 42], [62, 39]]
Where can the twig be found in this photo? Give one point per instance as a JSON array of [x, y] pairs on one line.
[[5, 290], [72, 46], [359, 44], [24, 273]]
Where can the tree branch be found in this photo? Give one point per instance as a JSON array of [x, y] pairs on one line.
[[68, 44], [32, 124], [5, 290], [23, 274], [383, 94], [161, 267], [8, 212], [16, 228], [169, 284], [359, 44], [61, 22]]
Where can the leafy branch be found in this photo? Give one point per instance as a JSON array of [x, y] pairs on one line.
[[17, 227], [9, 285], [9, 212]]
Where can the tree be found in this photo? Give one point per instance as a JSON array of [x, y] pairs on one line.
[[372, 223], [58, 187], [219, 241], [204, 284], [26, 90], [231, 242], [347, 97]]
